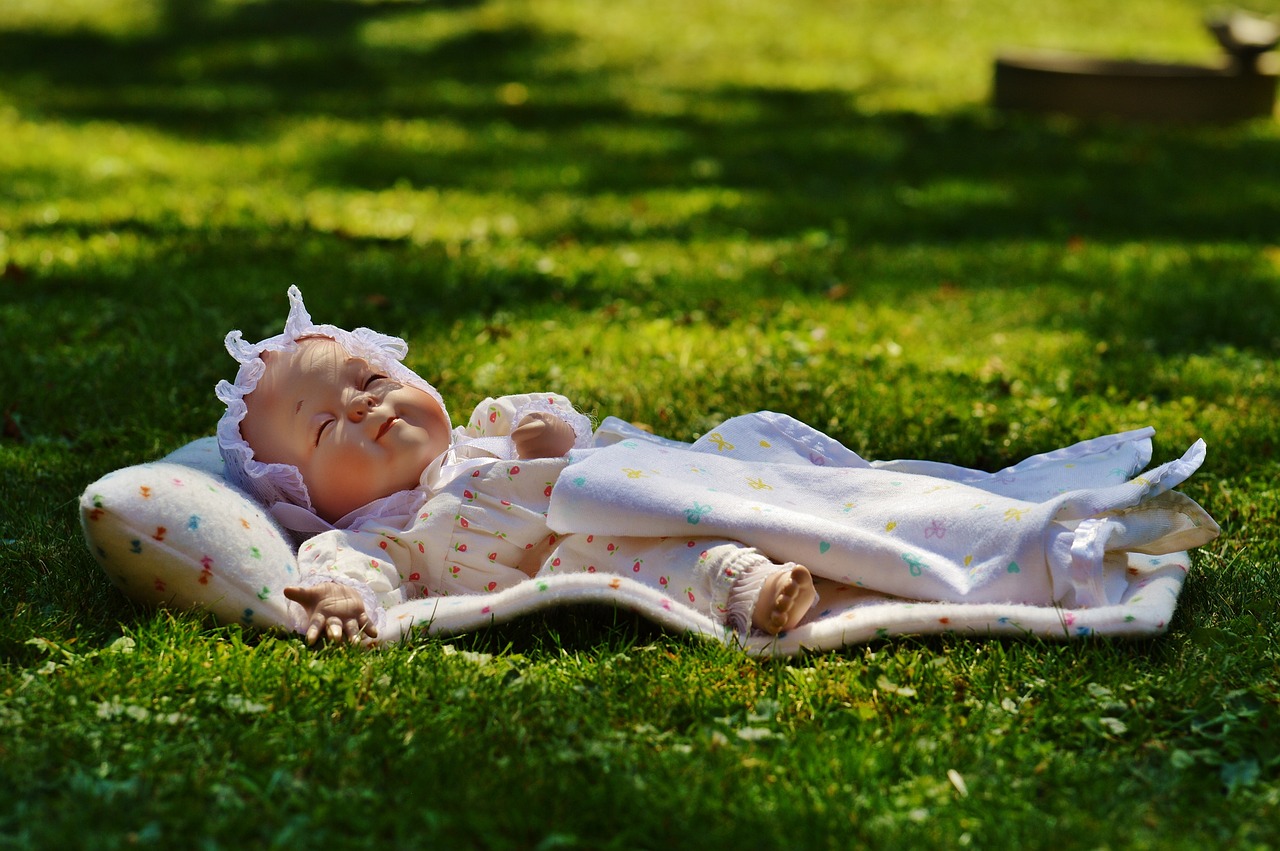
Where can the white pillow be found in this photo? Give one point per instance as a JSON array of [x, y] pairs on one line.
[[173, 533]]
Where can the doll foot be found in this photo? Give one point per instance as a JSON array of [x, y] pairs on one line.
[[785, 598]]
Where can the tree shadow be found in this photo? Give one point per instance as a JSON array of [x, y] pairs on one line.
[[104, 380], [789, 162]]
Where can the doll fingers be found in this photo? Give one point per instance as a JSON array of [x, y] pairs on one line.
[[333, 629], [305, 597]]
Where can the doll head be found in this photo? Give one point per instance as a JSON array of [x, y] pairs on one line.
[[325, 419]]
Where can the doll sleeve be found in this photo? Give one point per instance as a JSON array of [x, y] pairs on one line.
[[493, 420], [380, 565]]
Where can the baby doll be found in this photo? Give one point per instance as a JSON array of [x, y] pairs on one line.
[[348, 446], [330, 430]]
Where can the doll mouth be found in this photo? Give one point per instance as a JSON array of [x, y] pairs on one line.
[[386, 427]]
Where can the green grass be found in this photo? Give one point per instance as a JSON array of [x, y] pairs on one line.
[[671, 213]]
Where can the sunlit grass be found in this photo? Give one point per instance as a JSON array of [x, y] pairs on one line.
[[672, 214]]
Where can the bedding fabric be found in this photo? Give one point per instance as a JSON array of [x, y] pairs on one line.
[[174, 533]]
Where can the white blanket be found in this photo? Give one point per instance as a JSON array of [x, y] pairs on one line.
[[1068, 543]]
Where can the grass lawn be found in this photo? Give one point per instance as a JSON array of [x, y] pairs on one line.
[[672, 213]]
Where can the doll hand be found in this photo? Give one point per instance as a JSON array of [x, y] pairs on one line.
[[542, 435], [334, 611]]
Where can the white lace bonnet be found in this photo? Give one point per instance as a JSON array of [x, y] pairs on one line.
[[274, 483]]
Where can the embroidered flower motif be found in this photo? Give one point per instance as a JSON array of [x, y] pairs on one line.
[[722, 445], [914, 564], [694, 515]]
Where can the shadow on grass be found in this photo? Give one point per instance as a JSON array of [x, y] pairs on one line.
[[797, 167], [791, 164], [902, 194], [802, 160], [1013, 199]]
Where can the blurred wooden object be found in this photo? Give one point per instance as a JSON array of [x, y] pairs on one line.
[[1242, 87]]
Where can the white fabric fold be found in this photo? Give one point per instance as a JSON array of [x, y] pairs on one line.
[[948, 534]]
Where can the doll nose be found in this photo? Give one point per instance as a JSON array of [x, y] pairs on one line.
[[360, 407]]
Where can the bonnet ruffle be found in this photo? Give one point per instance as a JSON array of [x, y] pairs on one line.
[[282, 483]]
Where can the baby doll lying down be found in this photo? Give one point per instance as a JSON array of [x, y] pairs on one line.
[[353, 451]]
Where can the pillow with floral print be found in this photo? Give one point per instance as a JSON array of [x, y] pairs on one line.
[[173, 533]]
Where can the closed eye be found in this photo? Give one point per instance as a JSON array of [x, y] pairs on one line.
[[320, 431], [371, 380]]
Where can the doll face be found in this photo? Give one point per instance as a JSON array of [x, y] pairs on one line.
[[354, 434]]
